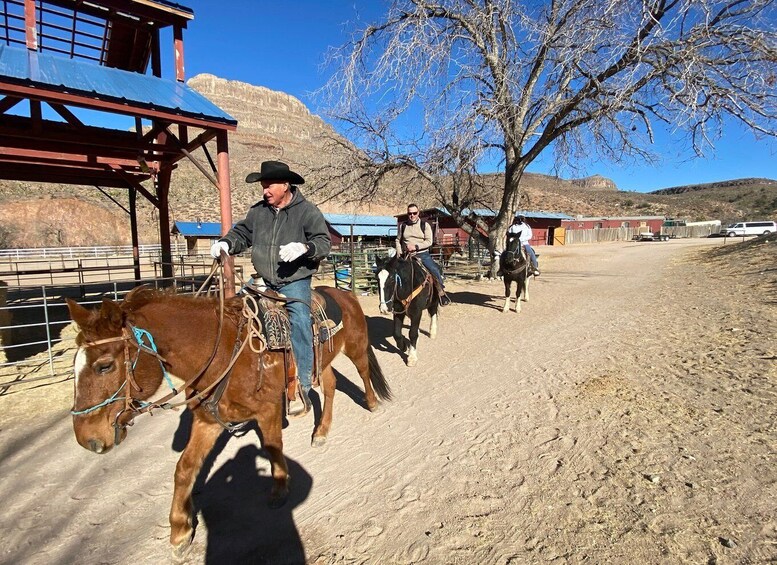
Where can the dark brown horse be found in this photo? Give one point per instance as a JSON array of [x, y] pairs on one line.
[[130, 353], [514, 265]]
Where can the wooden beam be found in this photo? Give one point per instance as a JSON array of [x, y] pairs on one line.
[[30, 31], [8, 102], [63, 175], [178, 44], [191, 158], [70, 158], [67, 114], [225, 204]]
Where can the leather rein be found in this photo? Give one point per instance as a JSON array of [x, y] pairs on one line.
[[137, 407]]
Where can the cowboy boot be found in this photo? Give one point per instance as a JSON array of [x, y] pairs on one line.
[[299, 405], [443, 298]]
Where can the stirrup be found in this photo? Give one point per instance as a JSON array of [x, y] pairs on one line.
[[300, 405]]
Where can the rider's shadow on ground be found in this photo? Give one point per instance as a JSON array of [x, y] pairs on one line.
[[233, 506], [475, 298]]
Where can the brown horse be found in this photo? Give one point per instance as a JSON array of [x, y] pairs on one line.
[[128, 353], [445, 251]]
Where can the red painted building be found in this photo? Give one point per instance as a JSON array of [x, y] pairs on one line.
[[544, 226], [641, 223]]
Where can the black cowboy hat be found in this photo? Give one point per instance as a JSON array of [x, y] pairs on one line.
[[275, 170]]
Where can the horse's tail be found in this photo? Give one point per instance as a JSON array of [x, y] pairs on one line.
[[377, 379]]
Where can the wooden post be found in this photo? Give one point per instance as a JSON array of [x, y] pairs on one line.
[[353, 265], [225, 199]]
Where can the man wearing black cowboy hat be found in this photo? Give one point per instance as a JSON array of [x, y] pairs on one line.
[[288, 238]]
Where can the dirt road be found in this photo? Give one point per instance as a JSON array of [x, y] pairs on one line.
[[627, 414]]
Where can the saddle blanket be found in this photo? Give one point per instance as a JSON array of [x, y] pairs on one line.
[[326, 319]]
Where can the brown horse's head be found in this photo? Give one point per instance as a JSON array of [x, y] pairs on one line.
[[101, 380]]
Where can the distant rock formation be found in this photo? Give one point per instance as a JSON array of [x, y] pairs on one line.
[[274, 124], [595, 182]]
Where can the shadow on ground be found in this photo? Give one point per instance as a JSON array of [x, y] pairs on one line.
[[233, 505]]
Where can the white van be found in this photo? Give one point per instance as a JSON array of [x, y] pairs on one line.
[[751, 228]]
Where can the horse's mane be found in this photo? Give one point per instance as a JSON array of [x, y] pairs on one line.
[[144, 296]]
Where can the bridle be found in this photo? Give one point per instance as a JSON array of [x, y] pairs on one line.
[[136, 407], [405, 302], [520, 257]]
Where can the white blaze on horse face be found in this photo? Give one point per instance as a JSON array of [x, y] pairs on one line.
[[382, 278], [79, 364]]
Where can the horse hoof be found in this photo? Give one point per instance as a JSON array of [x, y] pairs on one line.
[[182, 549], [318, 441], [376, 409], [411, 362]]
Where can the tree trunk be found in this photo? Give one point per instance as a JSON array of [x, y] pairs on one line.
[[511, 197]]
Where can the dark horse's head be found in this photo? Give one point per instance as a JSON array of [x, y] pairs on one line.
[[398, 276], [513, 257]]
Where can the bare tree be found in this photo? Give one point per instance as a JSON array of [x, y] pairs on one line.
[[501, 80]]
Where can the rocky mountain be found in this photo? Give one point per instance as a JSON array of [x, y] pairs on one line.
[[275, 125]]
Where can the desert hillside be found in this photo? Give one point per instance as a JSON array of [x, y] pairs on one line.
[[275, 125]]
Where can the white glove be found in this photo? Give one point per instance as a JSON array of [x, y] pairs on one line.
[[217, 248], [292, 251]]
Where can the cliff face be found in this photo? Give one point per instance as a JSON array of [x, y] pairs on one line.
[[280, 120], [595, 182]]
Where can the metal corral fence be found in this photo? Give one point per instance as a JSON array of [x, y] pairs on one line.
[[91, 251], [356, 269], [32, 317]]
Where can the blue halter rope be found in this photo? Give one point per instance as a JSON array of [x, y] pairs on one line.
[[139, 334]]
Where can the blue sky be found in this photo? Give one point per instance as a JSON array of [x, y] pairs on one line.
[[282, 46]]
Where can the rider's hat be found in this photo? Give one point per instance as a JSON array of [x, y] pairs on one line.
[[520, 217], [275, 170]]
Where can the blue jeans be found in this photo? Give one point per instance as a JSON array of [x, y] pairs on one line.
[[532, 255], [431, 266], [301, 328]]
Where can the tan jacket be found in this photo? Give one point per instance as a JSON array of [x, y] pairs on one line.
[[412, 236]]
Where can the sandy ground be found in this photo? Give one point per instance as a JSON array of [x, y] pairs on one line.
[[626, 415]]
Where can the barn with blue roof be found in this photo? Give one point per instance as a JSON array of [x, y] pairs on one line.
[[360, 228]]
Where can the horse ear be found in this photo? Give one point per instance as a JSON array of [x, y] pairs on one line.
[[111, 311], [78, 313]]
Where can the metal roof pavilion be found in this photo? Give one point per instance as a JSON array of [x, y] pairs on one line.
[[59, 56], [122, 91]]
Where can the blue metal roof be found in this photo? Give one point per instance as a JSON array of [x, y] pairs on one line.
[[361, 220], [202, 229], [368, 231], [54, 72]]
